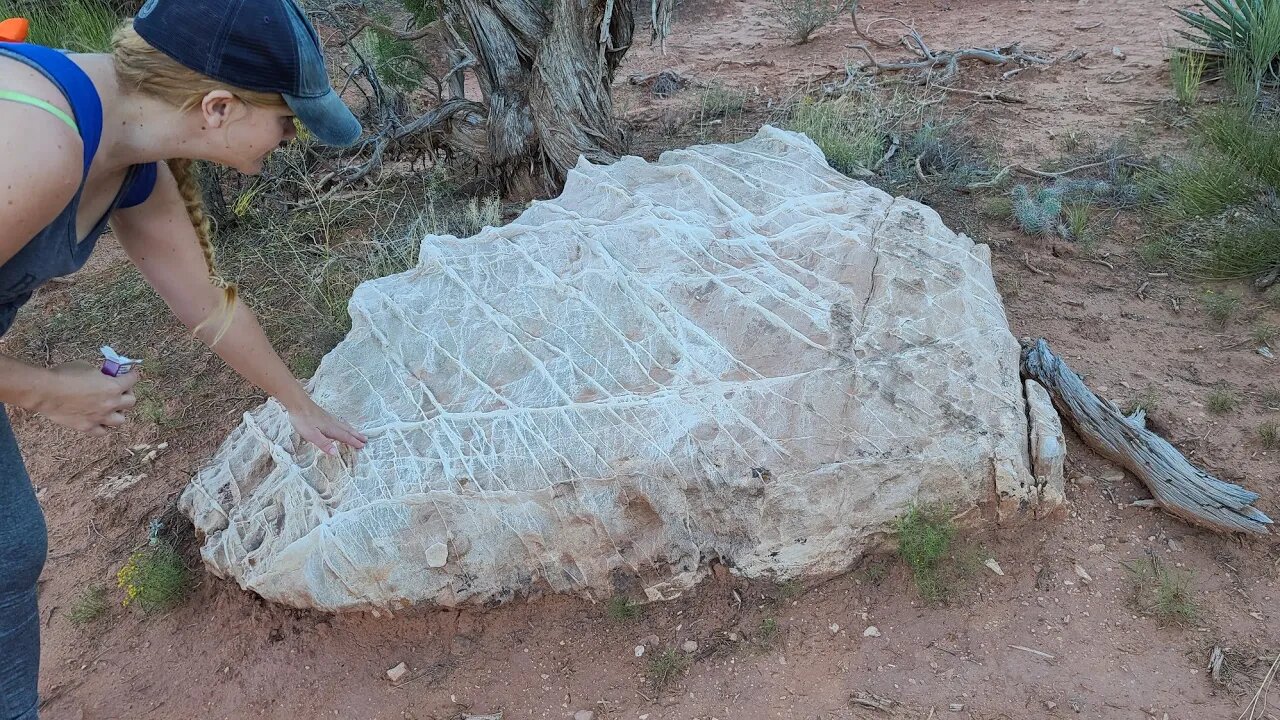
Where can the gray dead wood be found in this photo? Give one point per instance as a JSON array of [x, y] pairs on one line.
[[1178, 486]]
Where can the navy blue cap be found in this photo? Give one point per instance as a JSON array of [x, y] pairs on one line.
[[263, 45]]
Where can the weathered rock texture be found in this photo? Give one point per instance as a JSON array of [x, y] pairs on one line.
[[734, 352]]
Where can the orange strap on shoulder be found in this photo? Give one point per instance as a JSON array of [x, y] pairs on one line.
[[14, 30]]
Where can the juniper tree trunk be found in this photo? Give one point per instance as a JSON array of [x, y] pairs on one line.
[[546, 75]]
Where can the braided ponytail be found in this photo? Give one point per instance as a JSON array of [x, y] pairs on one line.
[[184, 172], [141, 68]]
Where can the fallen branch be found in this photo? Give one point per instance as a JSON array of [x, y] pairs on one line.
[[1044, 174], [989, 95], [1179, 487], [949, 61], [1026, 260]]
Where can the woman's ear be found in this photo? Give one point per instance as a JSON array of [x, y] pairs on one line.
[[218, 107]]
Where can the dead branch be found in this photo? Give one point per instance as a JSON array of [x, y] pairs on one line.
[[987, 95], [1179, 487], [945, 65], [368, 23], [1051, 175]]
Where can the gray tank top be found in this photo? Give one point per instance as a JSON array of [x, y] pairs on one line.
[[56, 250]]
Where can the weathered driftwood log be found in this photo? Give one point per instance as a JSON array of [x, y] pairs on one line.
[[1178, 486]]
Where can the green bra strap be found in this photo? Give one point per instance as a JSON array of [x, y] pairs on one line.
[[37, 102]]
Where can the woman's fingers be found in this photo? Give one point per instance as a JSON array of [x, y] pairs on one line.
[[127, 401], [313, 435]]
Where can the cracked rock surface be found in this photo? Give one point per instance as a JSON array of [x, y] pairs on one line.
[[734, 352]]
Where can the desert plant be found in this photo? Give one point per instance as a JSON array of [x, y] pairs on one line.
[[801, 18], [1247, 31], [397, 61], [924, 539], [89, 605], [154, 577], [849, 132], [1163, 593], [1269, 434], [77, 25], [1038, 215], [621, 608], [1221, 400], [666, 667], [1186, 70], [1200, 186]]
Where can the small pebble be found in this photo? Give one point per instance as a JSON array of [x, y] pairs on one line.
[[872, 631], [690, 646], [639, 650], [584, 715]]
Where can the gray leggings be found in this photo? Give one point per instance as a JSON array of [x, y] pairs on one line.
[[23, 544]]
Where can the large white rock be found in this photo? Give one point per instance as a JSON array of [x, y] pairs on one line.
[[734, 352]]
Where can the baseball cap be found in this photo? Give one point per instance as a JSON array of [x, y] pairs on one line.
[[263, 45]]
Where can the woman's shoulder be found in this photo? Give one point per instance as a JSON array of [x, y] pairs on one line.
[[26, 128]]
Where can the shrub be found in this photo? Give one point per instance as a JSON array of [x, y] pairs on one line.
[[849, 133], [801, 18], [154, 577], [924, 539]]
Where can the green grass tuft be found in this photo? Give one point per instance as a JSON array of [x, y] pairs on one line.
[[1269, 434], [666, 667], [1078, 221], [1200, 186], [1271, 398], [1221, 307], [1186, 70], [1163, 593], [83, 26], [1265, 334], [848, 131], [768, 632], [89, 605], [924, 539], [621, 609], [1147, 401], [719, 101], [1221, 400]]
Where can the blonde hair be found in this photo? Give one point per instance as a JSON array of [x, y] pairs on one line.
[[142, 68]]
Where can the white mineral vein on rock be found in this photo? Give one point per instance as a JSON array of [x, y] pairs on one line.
[[734, 352]]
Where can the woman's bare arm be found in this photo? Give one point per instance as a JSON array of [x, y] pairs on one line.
[[159, 239]]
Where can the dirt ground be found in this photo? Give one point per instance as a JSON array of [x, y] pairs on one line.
[[1038, 641]]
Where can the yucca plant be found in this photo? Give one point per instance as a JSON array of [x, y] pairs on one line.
[[1247, 30]]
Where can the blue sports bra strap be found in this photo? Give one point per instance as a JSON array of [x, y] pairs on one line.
[[74, 84]]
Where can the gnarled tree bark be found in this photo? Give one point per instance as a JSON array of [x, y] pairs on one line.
[[545, 76]]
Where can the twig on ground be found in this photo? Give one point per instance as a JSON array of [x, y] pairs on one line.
[[1252, 710], [1034, 652], [1026, 260], [894, 142], [995, 181], [988, 95], [1044, 174]]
